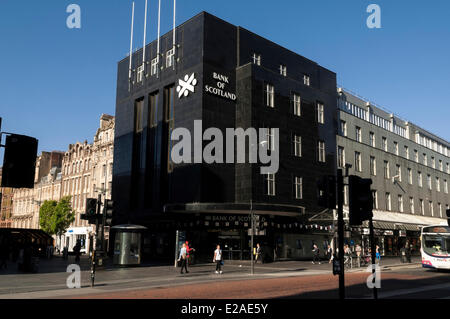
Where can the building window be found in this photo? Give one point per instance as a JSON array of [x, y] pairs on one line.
[[153, 109], [358, 134], [170, 58], [430, 208], [283, 70], [398, 172], [419, 177], [441, 168], [406, 152], [297, 104], [306, 80], [445, 186], [321, 151], [386, 169], [341, 157], [343, 128], [373, 166], [388, 201], [320, 113], [433, 162], [140, 73], [396, 148], [400, 203], [440, 209], [358, 167], [416, 156], [411, 205], [372, 139], [270, 137], [375, 199], [270, 184], [438, 184], [410, 178], [256, 59], [298, 184], [425, 160], [104, 170], [297, 145], [138, 108], [430, 187], [270, 95], [384, 144], [154, 66], [448, 168]]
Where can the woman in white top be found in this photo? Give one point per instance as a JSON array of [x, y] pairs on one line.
[[218, 259]]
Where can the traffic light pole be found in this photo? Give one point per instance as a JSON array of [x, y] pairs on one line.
[[251, 241], [340, 199], [372, 247]]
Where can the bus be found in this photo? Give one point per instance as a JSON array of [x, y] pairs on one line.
[[435, 247]]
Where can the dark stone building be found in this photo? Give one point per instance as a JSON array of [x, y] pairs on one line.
[[227, 77]]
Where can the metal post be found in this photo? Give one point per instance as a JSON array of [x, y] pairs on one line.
[[251, 241], [340, 198], [93, 269], [372, 247], [176, 247]]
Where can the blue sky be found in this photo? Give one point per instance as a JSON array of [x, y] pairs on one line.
[[55, 82]]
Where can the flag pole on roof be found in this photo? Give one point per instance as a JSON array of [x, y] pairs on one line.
[[145, 33], [174, 33], [131, 47], [159, 32]]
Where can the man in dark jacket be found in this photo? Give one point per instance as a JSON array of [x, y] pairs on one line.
[[316, 254]]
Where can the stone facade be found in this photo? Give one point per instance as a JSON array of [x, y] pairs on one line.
[[26, 202], [86, 169], [6, 201]]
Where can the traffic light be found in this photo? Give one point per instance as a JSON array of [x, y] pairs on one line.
[[326, 188], [360, 200], [91, 211], [448, 216], [91, 206], [19, 161], [108, 212]]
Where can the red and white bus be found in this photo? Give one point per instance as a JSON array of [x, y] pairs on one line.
[[435, 247]]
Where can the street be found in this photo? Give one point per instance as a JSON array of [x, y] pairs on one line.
[[289, 279]]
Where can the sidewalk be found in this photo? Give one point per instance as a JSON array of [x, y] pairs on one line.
[[51, 283]]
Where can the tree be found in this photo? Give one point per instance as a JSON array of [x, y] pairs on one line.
[[55, 217]]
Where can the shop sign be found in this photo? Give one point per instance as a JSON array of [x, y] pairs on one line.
[[366, 231], [388, 233], [402, 233]]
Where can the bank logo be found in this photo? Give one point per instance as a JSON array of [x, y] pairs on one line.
[[186, 86]]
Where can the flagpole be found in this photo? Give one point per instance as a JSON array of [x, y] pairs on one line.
[[145, 33], [131, 46], [174, 33], [159, 32]]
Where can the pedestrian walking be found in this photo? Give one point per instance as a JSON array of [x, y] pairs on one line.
[[258, 253], [183, 258], [377, 254], [77, 251], [189, 253], [316, 254], [218, 259], [329, 254], [358, 254]]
